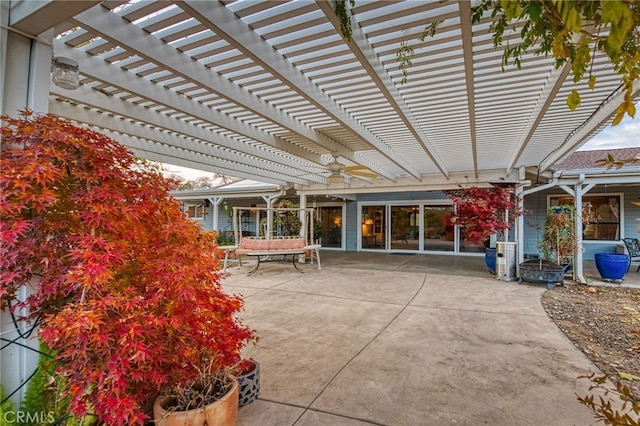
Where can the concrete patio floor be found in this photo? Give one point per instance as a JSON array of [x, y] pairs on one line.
[[384, 339]]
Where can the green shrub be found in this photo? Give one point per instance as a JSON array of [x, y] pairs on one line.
[[5, 407]]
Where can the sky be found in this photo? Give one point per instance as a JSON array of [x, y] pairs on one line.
[[624, 135]]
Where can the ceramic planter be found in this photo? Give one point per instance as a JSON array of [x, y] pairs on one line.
[[612, 266], [249, 385], [222, 412], [490, 259]]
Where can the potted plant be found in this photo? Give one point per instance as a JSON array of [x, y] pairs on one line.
[[210, 399], [248, 375], [126, 288], [287, 222], [558, 242], [481, 213]]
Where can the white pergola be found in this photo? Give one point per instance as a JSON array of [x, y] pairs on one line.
[[271, 91]]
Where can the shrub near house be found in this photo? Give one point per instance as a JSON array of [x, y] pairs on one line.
[[126, 287]]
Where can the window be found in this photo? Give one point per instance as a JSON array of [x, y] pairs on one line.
[[605, 208], [195, 211], [439, 235]]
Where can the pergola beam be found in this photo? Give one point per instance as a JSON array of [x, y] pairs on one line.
[[234, 31], [364, 52], [595, 121], [122, 79], [163, 142], [118, 31]]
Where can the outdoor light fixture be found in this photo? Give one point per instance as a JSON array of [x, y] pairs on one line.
[[66, 73]]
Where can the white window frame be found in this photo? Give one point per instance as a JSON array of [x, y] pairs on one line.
[[620, 195], [199, 210]]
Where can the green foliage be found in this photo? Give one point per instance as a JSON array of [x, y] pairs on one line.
[[572, 31], [615, 405], [43, 392], [45, 395], [224, 239], [342, 12], [610, 161], [569, 31], [287, 222], [5, 407], [406, 51]]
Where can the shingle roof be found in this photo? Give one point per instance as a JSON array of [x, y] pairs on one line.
[[587, 159]]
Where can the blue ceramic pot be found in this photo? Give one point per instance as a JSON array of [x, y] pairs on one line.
[[490, 259], [612, 266], [249, 385]]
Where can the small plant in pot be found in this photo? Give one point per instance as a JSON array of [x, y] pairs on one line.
[[559, 241]]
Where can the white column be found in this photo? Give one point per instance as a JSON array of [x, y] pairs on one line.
[[24, 83], [27, 76], [519, 228], [578, 268], [215, 202], [303, 216]]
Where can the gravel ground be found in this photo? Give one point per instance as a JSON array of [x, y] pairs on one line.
[[604, 323]]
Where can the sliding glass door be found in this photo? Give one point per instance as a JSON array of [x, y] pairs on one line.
[[405, 227], [438, 234], [331, 225], [373, 235]]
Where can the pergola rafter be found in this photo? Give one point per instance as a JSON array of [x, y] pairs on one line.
[[273, 90]]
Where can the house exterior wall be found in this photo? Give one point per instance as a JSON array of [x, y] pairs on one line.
[[536, 205], [351, 242]]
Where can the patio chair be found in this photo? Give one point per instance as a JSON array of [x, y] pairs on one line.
[[633, 247]]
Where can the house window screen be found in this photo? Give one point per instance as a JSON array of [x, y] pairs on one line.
[[195, 211], [605, 208]]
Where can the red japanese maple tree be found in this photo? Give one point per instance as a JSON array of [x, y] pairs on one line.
[[126, 287], [480, 210]]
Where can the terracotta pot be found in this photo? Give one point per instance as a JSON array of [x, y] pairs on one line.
[[222, 412]]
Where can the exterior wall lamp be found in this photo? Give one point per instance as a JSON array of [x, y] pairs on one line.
[[66, 73]]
